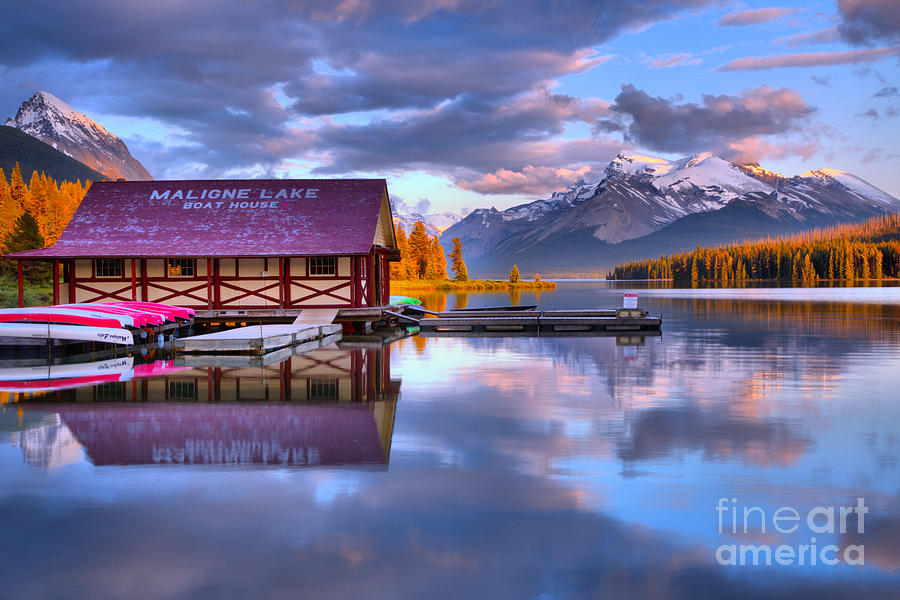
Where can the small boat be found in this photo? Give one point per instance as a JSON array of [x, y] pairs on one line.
[[53, 331], [117, 366], [183, 313], [60, 315], [134, 318], [124, 320], [498, 308], [404, 300]]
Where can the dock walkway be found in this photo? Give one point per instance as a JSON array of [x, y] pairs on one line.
[[258, 339], [593, 322]]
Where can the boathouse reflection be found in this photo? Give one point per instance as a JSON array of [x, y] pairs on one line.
[[332, 406]]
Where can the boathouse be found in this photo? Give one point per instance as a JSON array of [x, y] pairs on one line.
[[227, 245]]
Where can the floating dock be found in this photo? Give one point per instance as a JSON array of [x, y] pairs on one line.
[[549, 322], [256, 339]]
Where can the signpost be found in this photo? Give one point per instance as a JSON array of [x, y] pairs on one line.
[[629, 300]]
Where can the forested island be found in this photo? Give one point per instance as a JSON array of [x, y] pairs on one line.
[[854, 252]]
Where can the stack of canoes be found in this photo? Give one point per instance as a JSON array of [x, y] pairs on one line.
[[107, 322], [49, 378]]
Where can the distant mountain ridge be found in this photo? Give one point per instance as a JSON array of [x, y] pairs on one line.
[[434, 223], [49, 119], [643, 206], [34, 155]]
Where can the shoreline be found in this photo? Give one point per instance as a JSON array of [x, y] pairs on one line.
[[472, 285]]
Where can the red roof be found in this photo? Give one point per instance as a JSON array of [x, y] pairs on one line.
[[274, 217]]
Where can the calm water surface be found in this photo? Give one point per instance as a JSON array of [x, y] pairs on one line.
[[442, 467]]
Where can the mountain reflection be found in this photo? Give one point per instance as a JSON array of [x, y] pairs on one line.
[[328, 407]]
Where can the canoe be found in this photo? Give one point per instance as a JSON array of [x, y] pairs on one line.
[[60, 315], [403, 300], [135, 319], [149, 318], [184, 313], [81, 333], [486, 308], [123, 320], [162, 313], [116, 366]]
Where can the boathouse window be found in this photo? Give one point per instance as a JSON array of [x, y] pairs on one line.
[[108, 267], [110, 392], [181, 267], [182, 390], [323, 389], [326, 265]]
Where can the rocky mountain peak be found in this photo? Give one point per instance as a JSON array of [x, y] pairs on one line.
[[54, 122]]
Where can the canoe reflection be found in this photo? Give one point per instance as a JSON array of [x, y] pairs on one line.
[[328, 407]]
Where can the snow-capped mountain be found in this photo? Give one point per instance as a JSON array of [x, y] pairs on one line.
[[49, 119], [588, 225], [434, 223]]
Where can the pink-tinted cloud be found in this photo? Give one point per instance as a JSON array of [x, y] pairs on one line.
[[822, 36], [665, 61], [809, 59], [669, 125], [529, 180], [754, 149], [756, 15]]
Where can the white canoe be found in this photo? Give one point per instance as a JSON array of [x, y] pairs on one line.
[[120, 366], [82, 333]]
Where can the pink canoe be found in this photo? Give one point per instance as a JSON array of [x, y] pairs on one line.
[[139, 319], [60, 316], [183, 313]]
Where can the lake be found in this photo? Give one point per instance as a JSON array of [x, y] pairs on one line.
[[499, 467]]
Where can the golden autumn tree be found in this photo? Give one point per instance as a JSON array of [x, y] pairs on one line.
[[419, 251], [51, 205], [400, 269], [437, 262]]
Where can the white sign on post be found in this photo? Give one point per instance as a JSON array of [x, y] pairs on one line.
[[629, 300]]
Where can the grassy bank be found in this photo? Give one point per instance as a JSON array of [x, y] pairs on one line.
[[449, 285], [37, 293]]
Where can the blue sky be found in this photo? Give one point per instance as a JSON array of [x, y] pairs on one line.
[[461, 103]]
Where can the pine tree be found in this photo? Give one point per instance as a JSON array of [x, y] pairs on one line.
[[25, 235], [436, 268], [514, 274], [463, 273], [18, 189], [9, 209], [419, 250], [456, 258], [400, 269]]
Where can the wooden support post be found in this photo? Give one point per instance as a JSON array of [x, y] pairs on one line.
[[287, 282], [72, 282], [371, 369], [217, 293], [55, 282], [280, 282], [354, 283], [288, 366], [371, 279], [134, 279], [385, 281], [356, 375], [209, 288], [21, 283]]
